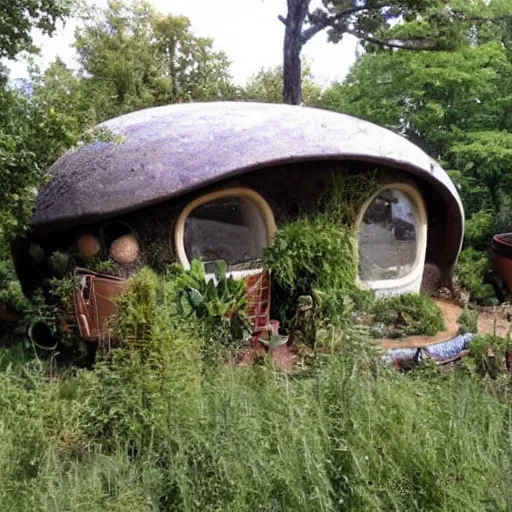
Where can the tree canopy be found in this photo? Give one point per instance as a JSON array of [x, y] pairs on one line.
[[139, 58], [385, 25], [19, 17]]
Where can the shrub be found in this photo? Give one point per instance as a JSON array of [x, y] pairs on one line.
[[479, 230], [468, 321], [488, 352], [408, 314], [472, 270]]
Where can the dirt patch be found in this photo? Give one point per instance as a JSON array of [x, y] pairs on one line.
[[490, 320], [494, 320]]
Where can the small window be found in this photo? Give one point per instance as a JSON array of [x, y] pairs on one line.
[[234, 226], [390, 236]]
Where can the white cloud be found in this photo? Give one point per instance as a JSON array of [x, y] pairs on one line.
[[247, 30]]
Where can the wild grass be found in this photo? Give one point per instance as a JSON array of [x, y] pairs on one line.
[[164, 430]]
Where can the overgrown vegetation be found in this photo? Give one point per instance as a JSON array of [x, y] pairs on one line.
[[314, 261], [316, 257], [407, 315], [164, 423], [154, 428], [468, 321]]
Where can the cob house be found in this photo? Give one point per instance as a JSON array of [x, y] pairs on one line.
[[213, 181]]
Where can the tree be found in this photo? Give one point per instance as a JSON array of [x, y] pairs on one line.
[[140, 58], [391, 24], [19, 17], [431, 98], [452, 104], [194, 69], [267, 86], [485, 158]]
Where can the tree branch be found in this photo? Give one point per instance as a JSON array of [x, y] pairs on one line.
[[319, 23], [283, 20], [413, 45]]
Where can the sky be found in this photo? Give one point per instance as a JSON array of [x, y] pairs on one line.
[[247, 30]]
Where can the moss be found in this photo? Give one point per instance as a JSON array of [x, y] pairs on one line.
[[408, 315]]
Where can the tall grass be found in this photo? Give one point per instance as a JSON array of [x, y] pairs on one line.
[[168, 432], [165, 424]]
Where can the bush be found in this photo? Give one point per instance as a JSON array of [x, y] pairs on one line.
[[472, 270], [408, 314], [479, 230], [468, 321]]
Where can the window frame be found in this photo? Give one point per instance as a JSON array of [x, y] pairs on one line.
[[233, 192], [421, 236]]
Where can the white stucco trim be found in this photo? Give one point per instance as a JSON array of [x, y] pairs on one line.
[[235, 192], [412, 281]]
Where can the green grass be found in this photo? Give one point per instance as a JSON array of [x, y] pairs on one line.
[[169, 432]]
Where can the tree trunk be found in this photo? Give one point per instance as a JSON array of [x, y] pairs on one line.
[[292, 73]]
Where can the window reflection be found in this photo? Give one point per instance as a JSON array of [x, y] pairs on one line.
[[229, 229], [388, 243]]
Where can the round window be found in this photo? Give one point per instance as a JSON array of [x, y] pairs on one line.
[[229, 226], [391, 236]]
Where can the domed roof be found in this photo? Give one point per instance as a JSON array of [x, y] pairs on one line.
[[163, 152]]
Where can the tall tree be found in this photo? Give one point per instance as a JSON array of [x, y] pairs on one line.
[[195, 70], [141, 58], [391, 24], [431, 98]]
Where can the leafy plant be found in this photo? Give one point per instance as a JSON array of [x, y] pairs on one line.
[[219, 295], [219, 298], [408, 314], [317, 257], [488, 352], [472, 270], [468, 321]]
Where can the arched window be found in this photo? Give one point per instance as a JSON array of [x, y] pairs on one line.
[[233, 225], [392, 231]]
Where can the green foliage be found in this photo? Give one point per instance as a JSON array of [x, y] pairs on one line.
[[220, 296], [468, 321], [479, 230], [186, 300], [101, 266], [11, 295], [136, 58], [485, 157], [488, 352], [442, 95], [267, 86], [472, 270], [317, 257], [408, 314], [20, 17], [219, 300], [138, 308], [155, 431]]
